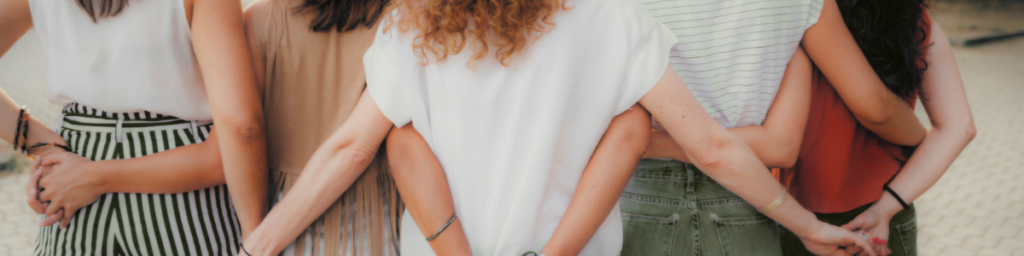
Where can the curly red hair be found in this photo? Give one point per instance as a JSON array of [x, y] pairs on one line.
[[447, 25]]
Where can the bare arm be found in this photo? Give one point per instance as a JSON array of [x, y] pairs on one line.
[[424, 189], [74, 181], [181, 169], [218, 37], [832, 48], [730, 162], [952, 129], [777, 142], [330, 171], [603, 180], [15, 20]]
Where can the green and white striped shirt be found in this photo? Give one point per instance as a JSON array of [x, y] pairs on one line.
[[732, 53]]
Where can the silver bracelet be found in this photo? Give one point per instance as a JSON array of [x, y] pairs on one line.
[[442, 228]]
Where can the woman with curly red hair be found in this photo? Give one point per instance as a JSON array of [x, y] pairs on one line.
[[514, 99]]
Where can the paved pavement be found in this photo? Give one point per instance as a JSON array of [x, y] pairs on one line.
[[977, 208]]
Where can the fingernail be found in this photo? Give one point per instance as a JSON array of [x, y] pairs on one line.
[[884, 242], [875, 240]]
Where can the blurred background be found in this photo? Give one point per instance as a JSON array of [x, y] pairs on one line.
[[977, 208]]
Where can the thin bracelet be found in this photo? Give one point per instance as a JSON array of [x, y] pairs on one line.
[[893, 193], [775, 204], [240, 245], [442, 228]]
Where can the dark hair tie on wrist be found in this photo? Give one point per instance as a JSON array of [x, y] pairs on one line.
[[240, 245], [893, 193]]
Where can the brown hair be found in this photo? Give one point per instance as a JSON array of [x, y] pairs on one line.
[[344, 15], [446, 25], [105, 8]]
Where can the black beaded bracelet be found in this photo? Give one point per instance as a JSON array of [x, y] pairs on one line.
[[893, 193], [24, 132], [43, 144], [17, 129]]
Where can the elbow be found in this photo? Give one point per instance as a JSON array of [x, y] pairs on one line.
[[874, 117], [970, 131], [245, 130], [713, 159], [787, 154], [357, 156], [786, 158]]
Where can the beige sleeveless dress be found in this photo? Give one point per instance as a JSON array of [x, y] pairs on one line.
[[312, 83]]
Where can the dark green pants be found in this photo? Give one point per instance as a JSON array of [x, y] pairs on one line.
[[902, 232], [672, 208]]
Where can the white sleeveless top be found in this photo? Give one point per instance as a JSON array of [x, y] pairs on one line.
[[139, 60]]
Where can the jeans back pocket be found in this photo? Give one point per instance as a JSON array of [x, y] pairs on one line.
[[754, 235], [907, 233], [648, 235]]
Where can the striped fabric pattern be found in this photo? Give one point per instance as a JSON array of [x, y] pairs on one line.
[[200, 222], [732, 53]]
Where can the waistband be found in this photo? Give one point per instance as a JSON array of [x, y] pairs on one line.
[[669, 169], [82, 118]]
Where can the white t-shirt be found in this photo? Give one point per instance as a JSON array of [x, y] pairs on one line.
[[732, 53], [513, 141], [139, 60]]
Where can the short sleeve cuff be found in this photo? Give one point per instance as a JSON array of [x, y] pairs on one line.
[[383, 86], [648, 66]]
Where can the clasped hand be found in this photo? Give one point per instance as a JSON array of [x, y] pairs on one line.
[[60, 184]]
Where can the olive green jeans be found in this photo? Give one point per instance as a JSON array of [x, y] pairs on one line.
[[672, 208], [902, 231]]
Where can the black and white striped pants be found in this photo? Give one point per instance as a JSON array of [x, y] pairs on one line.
[[200, 222]]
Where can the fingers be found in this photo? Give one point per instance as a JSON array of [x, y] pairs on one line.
[[33, 192], [35, 163], [45, 195], [855, 224], [52, 219], [853, 250], [841, 253], [53, 208], [66, 221], [858, 241], [51, 160]]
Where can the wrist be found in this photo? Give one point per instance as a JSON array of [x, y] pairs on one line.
[[100, 177], [886, 205], [259, 245]]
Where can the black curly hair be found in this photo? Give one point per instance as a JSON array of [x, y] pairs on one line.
[[890, 35]]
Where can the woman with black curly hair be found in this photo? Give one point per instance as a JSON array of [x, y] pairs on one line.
[[845, 173]]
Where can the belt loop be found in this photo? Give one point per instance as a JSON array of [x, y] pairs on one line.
[[689, 178], [117, 127], [195, 131]]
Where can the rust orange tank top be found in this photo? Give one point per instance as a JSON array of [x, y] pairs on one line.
[[842, 165]]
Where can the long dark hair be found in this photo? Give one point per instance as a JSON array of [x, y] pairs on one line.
[[102, 8], [344, 15], [890, 35]]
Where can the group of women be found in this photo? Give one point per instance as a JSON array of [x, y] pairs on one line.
[[515, 127]]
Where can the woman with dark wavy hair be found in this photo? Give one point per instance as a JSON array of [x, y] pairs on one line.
[[308, 57], [514, 98], [136, 166], [846, 173]]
